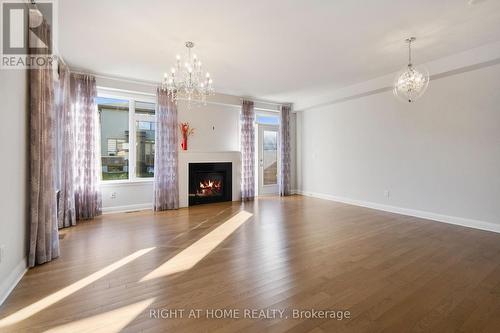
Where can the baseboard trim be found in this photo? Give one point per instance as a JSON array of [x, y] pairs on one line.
[[127, 208], [464, 222], [13, 279]]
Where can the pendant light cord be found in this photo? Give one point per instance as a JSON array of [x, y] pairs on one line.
[[409, 53]]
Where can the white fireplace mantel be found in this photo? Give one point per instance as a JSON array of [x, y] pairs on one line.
[[193, 156]]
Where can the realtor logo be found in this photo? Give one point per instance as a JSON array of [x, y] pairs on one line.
[[27, 40]]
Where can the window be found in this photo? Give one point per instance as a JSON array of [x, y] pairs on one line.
[[113, 116], [145, 108], [267, 119], [127, 138], [145, 139]]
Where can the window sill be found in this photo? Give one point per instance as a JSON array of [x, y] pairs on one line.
[[128, 182]]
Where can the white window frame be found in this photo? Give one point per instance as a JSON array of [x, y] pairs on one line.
[[131, 97], [257, 125]]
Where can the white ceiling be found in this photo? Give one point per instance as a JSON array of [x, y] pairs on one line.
[[279, 50]]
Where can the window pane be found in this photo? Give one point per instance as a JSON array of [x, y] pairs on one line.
[[145, 108], [145, 148], [267, 119], [270, 157], [113, 115]]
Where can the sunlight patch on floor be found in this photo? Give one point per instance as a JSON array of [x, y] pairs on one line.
[[107, 322], [51, 299], [187, 258]]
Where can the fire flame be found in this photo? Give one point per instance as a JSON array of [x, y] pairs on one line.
[[210, 184], [209, 187]]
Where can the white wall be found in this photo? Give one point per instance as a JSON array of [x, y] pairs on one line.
[[119, 197], [294, 153], [440, 155], [13, 173], [216, 127]]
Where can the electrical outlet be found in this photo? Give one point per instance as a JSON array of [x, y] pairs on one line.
[[387, 193], [113, 195]]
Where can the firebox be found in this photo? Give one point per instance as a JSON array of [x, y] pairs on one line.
[[210, 182]]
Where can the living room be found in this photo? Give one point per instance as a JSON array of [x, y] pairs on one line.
[[231, 166]]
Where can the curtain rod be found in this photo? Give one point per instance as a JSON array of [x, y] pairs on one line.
[[117, 78], [156, 84], [181, 99], [262, 101]]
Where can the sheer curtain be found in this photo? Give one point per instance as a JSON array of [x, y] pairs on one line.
[[65, 149], [285, 155], [166, 178], [88, 203], [247, 151], [44, 237]]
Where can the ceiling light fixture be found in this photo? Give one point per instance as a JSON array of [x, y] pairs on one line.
[[411, 82], [186, 79]]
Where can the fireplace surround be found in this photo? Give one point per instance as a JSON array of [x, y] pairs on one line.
[[210, 182]]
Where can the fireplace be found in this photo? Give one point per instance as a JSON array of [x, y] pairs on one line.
[[210, 182]]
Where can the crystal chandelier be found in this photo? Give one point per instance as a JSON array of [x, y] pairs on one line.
[[186, 79], [411, 82]]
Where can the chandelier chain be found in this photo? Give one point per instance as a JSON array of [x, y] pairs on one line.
[[409, 53]]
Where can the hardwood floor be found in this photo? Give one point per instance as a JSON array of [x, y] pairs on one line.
[[393, 273]]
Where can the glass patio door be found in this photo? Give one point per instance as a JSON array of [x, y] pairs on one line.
[[268, 159]]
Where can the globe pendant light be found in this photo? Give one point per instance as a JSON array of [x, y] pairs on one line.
[[411, 82]]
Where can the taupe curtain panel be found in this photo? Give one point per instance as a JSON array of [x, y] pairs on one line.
[[44, 237], [64, 153], [88, 203], [247, 151], [65, 149], [285, 155], [166, 176]]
